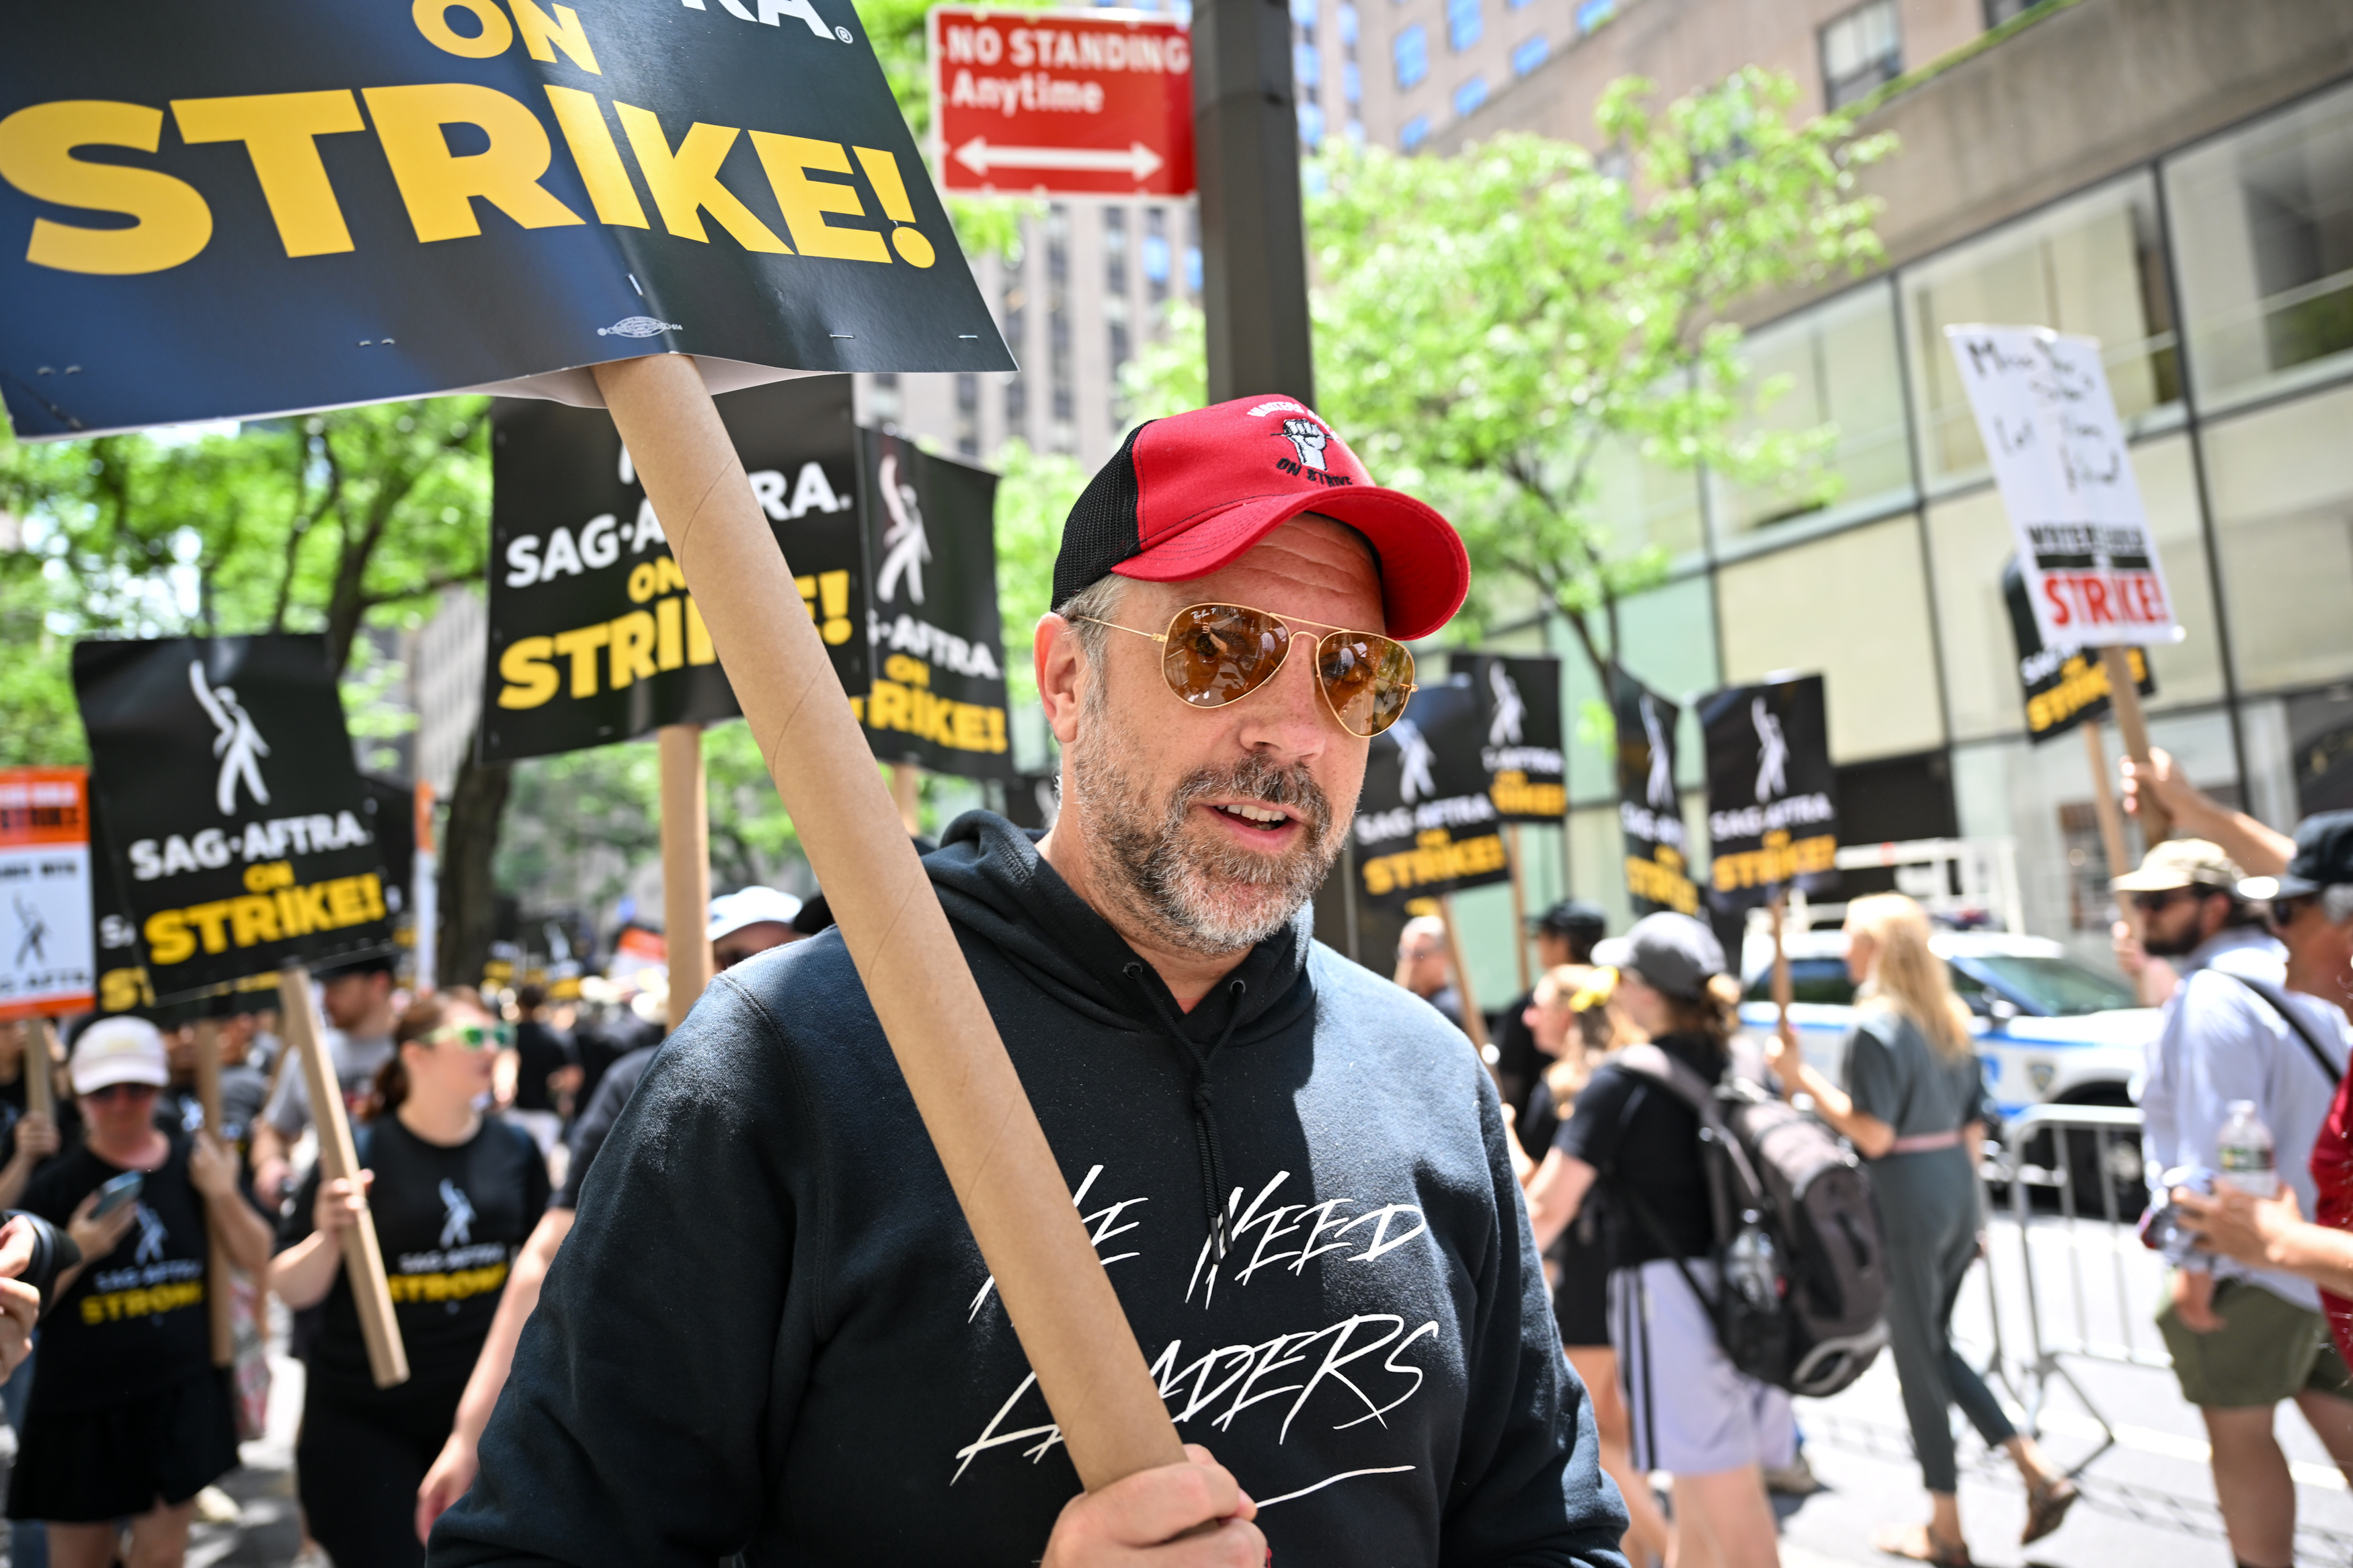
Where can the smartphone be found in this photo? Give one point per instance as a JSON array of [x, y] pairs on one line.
[[123, 1189]]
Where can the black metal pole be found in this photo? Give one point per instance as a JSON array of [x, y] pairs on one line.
[[1253, 247]]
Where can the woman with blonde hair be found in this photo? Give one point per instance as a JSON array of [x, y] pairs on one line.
[[1911, 1103], [1574, 1024]]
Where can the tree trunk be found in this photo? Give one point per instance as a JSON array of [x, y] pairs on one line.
[[469, 847]]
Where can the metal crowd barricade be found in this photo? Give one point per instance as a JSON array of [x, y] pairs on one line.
[[2080, 1302]]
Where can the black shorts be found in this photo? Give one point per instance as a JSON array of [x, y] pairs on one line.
[[359, 1463], [1581, 1295], [118, 1461]]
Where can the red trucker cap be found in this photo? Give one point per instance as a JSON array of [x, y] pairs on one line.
[[1186, 495]]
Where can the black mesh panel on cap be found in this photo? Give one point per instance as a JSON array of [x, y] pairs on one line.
[[1100, 531]]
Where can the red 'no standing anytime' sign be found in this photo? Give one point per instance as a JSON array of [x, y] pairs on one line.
[[1070, 103]]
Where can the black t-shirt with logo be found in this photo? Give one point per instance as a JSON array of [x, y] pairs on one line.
[[133, 1322], [449, 1221]]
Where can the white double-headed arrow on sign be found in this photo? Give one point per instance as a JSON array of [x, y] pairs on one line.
[[1137, 161]]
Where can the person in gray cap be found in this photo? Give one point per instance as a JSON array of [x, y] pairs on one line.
[[2276, 1041], [1715, 1429]]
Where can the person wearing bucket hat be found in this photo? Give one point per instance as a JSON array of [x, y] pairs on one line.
[[1715, 1429], [1273, 1146], [2268, 1037], [128, 1417]]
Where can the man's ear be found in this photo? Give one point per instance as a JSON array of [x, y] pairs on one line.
[[1061, 670]]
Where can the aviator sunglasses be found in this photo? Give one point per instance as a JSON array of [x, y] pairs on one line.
[[1215, 653]]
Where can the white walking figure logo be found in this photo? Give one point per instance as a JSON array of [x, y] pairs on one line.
[[1660, 790], [458, 1219], [908, 545], [1414, 758], [1772, 754], [151, 1235], [239, 745], [1511, 711]]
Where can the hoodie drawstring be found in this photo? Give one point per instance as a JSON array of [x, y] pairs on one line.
[[1204, 1097]]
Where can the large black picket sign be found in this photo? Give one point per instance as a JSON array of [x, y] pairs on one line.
[[1650, 811], [594, 638], [1519, 713], [253, 206], [2063, 686], [1772, 797], [1425, 824], [239, 832], [937, 696]]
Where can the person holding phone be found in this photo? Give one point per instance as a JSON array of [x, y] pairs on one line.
[[130, 1419], [454, 1194]]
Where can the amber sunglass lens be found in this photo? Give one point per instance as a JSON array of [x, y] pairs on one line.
[[1366, 678], [1217, 653]]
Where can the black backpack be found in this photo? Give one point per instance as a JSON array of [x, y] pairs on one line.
[[1802, 1286]]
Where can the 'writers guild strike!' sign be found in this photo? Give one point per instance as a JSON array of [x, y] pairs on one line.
[[254, 206], [1772, 799], [240, 829], [2065, 686], [45, 951], [1519, 711], [1426, 825], [937, 698], [1650, 812], [594, 638]]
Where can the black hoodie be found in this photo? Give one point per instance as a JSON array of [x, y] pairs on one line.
[[770, 1332]]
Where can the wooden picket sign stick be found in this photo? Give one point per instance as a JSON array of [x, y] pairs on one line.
[[298, 1017], [1012, 1191], [1475, 1023], [39, 1067], [217, 1299], [907, 794], [2111, 819], [2125, 693], [1519, 905], [1783, 987], [686, 866]]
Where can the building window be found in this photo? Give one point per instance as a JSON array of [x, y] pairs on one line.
[[1154, 255], [1193, 248], [1351, 82], [1412, 51], [2262, 231], [1591, 14], [1310, 124], [1013, 311], [1463, 25], [967, 415], [1861, 50], [2093, 265], [1529, 56], [1114, 304], [1470, 96], [1997, 11], [1303, 12], [1413, 132], [1347, 24], [1063, 436], [1306, 66]]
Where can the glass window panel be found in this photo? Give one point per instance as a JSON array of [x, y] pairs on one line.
[[1840, 364], [1969, 542], [1470, 96], [2092, 265], [1529, 55], [1463, 24], [2263, 228], [2282, 482], [1412, 51], [1853, 606], [1670, 635], [1644, 503]]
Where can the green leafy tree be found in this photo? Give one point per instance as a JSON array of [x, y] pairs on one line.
[[1491, 327]]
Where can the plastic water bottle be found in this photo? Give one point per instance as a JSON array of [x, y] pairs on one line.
[[2242, 1152], [1750, 1264]]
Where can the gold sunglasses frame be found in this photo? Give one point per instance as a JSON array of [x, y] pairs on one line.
[[1287, 623]]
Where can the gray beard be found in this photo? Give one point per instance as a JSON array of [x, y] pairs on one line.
[[1190, 889]]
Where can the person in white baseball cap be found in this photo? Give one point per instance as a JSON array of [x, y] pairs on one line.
[[749, 920], [128, 1417]]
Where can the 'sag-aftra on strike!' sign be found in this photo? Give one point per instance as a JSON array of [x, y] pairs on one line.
[[254, 206], [2051, 431]]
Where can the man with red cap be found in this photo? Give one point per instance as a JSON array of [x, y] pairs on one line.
[[771, 1332]]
